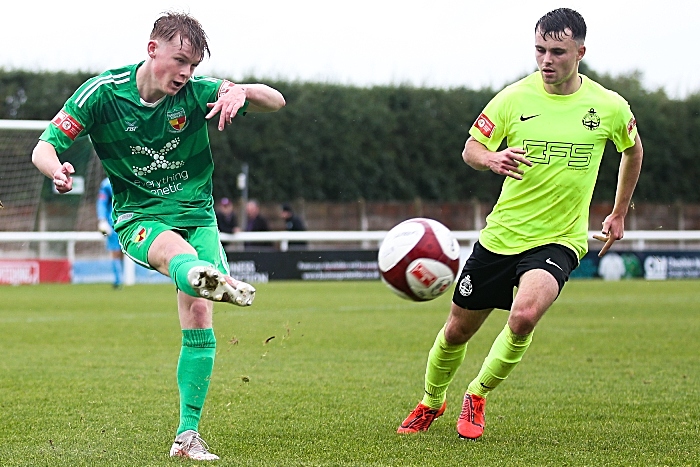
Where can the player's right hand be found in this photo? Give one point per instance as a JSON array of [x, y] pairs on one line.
[[62, 179], [104, 227]]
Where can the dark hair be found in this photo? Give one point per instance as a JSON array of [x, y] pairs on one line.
[[554, 24], [172, 23]]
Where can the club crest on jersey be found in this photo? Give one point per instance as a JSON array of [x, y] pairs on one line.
[[177, 120], [591, 120], [484, 125]]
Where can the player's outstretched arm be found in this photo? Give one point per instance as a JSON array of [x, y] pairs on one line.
[[263, 98], [260, 97], [614, 223], [506, 162], [46, 160]]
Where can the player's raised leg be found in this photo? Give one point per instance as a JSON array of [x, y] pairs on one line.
[[171, 255]]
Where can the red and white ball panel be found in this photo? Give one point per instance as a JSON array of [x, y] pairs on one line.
[[419, 259]]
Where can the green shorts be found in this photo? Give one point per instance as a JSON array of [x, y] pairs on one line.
[[136, 238]]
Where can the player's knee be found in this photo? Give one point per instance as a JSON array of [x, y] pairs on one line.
[[199, 307], [167, 245], [194, 312], [522, 322], [458, 332]]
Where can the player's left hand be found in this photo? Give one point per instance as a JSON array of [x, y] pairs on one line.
[[608, 243], [613, 230], [227, 105]]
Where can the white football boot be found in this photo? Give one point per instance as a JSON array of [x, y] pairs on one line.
[[190, 445], [211, 284]]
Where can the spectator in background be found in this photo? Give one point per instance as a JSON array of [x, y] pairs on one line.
[[255, 223], [292, 223], [226, 217], [105, 224]]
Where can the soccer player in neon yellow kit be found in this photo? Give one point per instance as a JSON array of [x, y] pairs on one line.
[[556, 123], [148, 124]]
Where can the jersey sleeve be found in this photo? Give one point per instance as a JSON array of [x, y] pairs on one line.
[[74, 119], [624, 130], [489, 128], [210, 90]]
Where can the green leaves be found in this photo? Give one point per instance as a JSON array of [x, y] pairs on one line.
[[344, 143]]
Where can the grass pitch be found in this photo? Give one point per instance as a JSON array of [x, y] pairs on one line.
[[321, 374]]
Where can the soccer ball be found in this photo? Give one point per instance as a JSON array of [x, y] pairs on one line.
[[418, 259]]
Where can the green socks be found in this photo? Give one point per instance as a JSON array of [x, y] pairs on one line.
[[196, 361], [506, 352], [443, 361], [178, 268], [194, 371]]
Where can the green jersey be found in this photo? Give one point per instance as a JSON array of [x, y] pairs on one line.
[[564, 136], [157, 156]]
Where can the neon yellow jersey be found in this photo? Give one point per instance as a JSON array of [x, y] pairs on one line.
[[564, 137]]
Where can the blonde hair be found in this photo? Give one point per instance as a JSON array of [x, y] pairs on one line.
[[173, 23]]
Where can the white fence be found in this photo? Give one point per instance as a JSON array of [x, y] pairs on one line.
[[634, 239], [370, 239]]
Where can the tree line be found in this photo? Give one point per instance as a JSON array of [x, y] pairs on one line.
[[343, 143]]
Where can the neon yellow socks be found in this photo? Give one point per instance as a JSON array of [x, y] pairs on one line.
[[443, 361], [178, 268], [506, 352], [194, 371]]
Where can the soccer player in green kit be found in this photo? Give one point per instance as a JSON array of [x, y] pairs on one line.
[[556, 123], [148, 124]]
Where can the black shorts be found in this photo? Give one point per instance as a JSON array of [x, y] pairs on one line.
[[488, 279]]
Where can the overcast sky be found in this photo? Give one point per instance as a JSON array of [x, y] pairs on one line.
[[436, 43]]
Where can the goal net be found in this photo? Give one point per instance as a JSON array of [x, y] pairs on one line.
[[20, 182], [29, 201]]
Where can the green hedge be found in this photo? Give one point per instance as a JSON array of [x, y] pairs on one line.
[[342, 143]]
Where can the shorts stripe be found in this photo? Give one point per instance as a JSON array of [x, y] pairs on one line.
[[146, 265]]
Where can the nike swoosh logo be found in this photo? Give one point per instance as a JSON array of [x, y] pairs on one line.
[[549, 261], [484, 386], [522, 118]]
